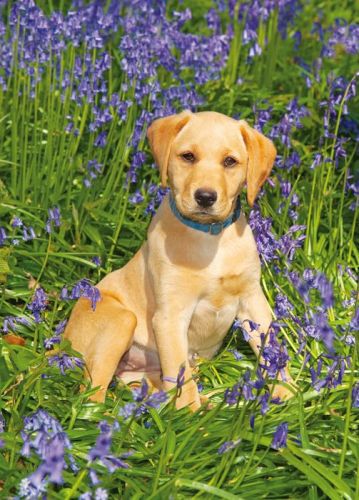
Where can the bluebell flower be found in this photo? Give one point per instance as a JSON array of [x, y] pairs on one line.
[[283, 307], [136, 198], [101, 451], [325, 288], [17, 222], [94, 169], [85, 496], [264, 402], [44, 435], [280, 436], [10, 323], [52, 341], [101, 494], [28, 233], [65, 362], [355, 395], [128, 410], [156, 399], [2, 422], [82, 288], [334, 372], [53, 220], [354, 322], [38, 304], [275, 356], [228, 445], [322, 329], [101, 140], [142, 392], [231, 396], [97, 261], [252, 421], [237, 355]]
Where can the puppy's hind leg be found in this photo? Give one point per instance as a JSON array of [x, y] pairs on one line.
[[102, 337]]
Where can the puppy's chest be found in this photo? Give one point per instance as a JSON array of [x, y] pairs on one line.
[[217, 307]]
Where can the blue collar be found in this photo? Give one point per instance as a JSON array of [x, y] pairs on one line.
[[213, 228]]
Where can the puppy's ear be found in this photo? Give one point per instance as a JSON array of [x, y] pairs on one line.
[[261, 156], [161, 134]]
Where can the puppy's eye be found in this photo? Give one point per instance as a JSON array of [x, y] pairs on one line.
[[188, 157], [229, 161]]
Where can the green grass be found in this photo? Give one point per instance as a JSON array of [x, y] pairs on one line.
[[175, 453]]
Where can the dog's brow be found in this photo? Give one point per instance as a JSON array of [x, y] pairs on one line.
[[233, 154], [190, 148]]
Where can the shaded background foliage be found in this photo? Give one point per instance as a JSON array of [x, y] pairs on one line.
[[79, 84]]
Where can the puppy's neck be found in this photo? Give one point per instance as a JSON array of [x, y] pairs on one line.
[[214, 228]]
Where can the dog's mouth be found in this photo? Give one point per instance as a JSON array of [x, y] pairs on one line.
[[205, 215]]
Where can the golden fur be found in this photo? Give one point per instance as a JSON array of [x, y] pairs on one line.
[[178, 296]]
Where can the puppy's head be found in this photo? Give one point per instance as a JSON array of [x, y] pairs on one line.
[[207, 158]]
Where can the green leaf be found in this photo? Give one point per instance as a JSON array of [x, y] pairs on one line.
[[322, 469], [4, 264], [205, 488], [312, 475], [93, 233]]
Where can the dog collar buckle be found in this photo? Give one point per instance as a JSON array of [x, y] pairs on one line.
[[215, 228]]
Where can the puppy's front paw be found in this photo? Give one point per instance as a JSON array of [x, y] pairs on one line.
[[189, 396]]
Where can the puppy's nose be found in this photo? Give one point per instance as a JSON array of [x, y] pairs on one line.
[[205, 197]]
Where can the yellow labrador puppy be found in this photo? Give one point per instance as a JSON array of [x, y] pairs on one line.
[[198, 270]]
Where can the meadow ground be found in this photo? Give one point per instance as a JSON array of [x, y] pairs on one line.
[[79, 84]]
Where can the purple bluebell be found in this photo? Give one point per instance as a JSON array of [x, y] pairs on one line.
[[252, 419], [263, 233], [325, 288], [96, 260], [94, 169], [323, 330], [128, 410], [82, 288], [291, 121], [354, 322], [55, 339], [101, 451], [237, 355], [275, 356], [10, 323], [355, 395], [2, 423], [38, 304], [101, 494], [280, 436], [17, 222], [283, 307], [231, 396], [263, 400], [85, 496], [228, 445], [286, 188], [44, 435], [28, 233], [50, 342], [65, 362], [136, 198], [288, 244], [142, 392], [334, 371], [53, 220], [156, 399]]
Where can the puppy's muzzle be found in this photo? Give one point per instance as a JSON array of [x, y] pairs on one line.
[[205, 197]]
